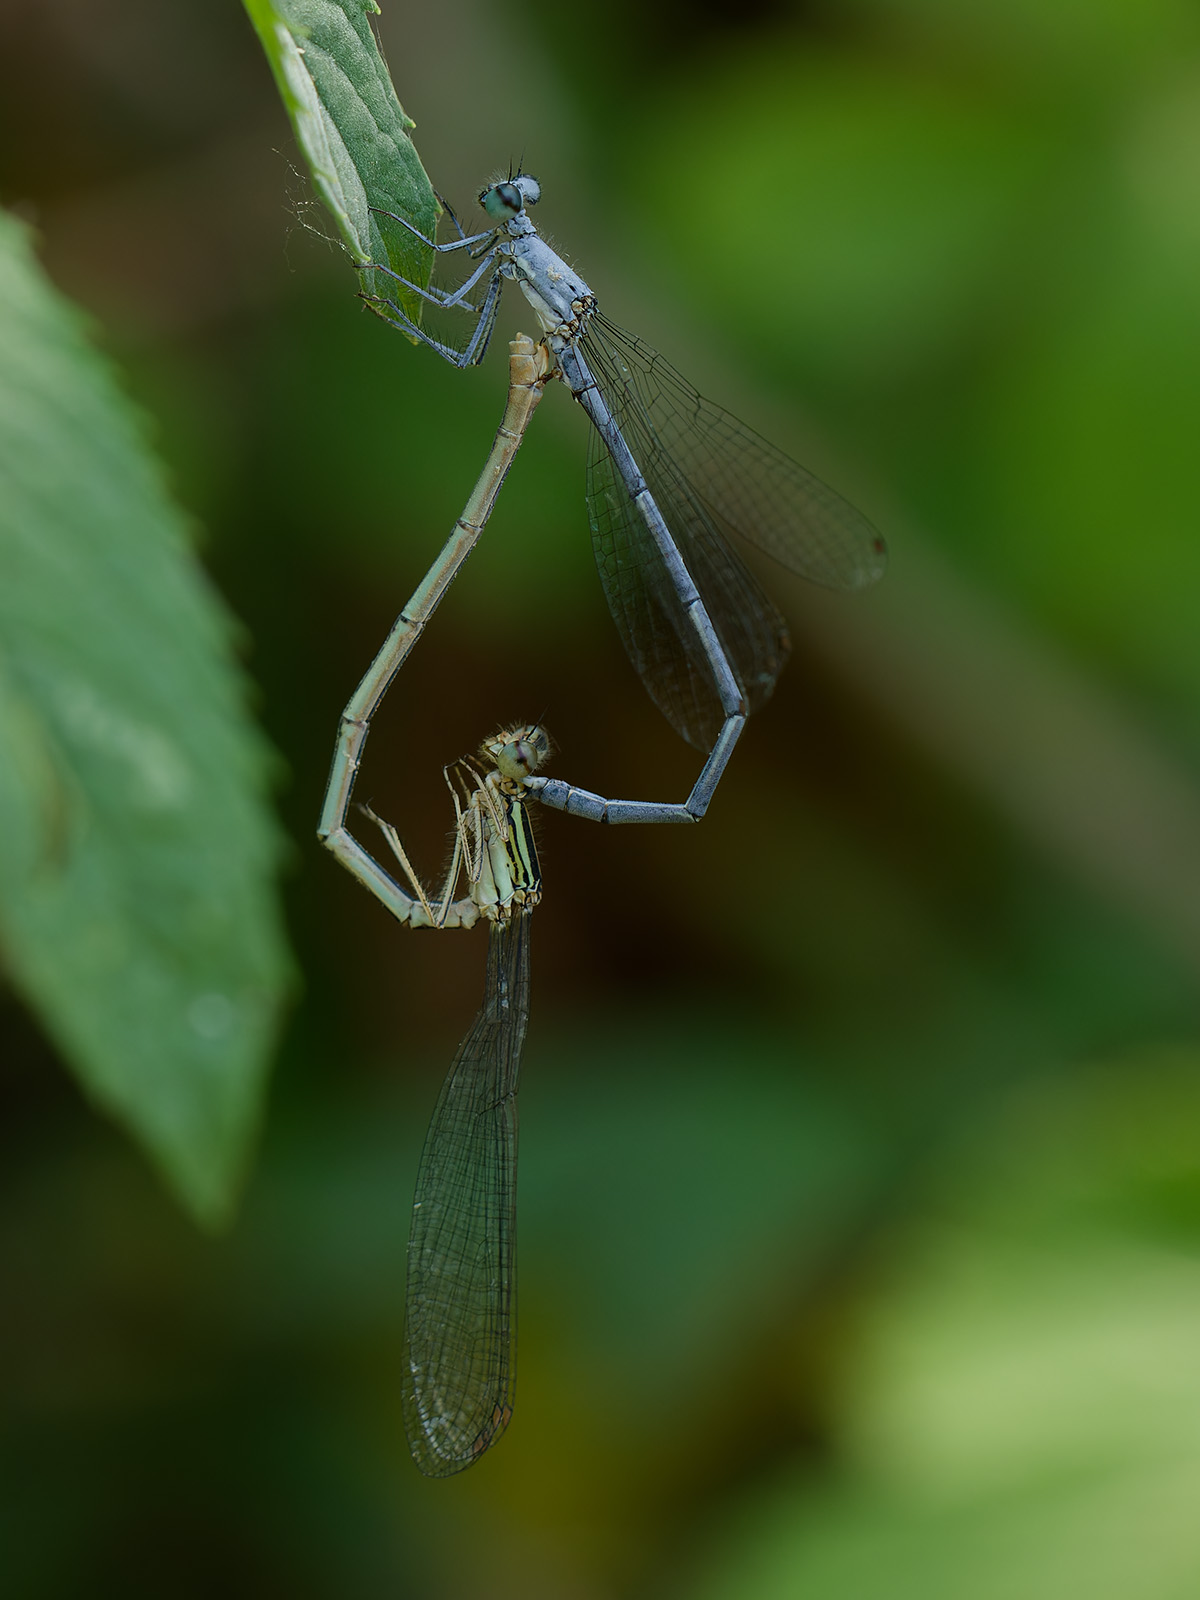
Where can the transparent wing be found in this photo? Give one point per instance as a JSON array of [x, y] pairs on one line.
[[461, 1251], [746, 485], [646, 608]]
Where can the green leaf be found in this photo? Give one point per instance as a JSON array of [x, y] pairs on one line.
[[137, 908], [351, 129]]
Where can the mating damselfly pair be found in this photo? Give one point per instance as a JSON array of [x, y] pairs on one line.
[[669, 477]]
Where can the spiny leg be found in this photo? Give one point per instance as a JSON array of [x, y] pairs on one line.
[[442, 249], [476, 347], [401, 855], [452, 214], [445, 298]]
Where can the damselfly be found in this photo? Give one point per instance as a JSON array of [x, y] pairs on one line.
[[669, 477], [459, 1366], [459, 1304]]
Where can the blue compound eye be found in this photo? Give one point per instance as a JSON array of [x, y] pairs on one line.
[[502, 201]]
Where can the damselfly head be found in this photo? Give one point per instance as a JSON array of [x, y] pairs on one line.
[[508, 199], [517, 752]]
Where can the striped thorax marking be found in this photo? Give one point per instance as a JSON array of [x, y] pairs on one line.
[[495, 831]]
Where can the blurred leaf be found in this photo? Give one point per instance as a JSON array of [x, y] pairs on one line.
[[1026, 1408], [1070, 42], [351, 128], [137, 911], [890, 205], [683, 1188], [1088, 475]]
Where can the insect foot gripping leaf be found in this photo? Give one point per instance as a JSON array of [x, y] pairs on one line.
[[352, 131]]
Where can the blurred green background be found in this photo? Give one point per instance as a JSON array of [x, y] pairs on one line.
[[860, 1210]]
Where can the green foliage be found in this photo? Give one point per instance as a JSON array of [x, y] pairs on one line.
[[1026, 1398], [351, 129], [845, 1271], [137, 909]]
